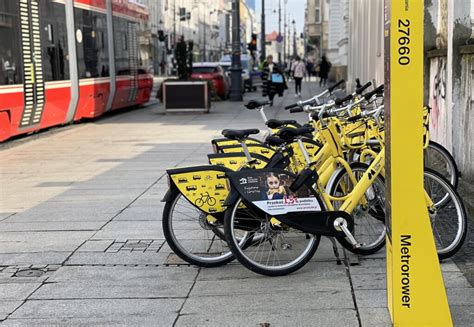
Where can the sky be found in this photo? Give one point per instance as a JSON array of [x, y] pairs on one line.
[[295, 8]]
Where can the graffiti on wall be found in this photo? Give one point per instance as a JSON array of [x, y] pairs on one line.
[[438, 119]]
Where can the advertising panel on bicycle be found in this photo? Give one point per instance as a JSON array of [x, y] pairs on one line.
[[270, 192]]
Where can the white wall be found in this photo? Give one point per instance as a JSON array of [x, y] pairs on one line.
[[365, 48]]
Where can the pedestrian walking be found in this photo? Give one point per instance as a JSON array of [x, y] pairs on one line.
[[273, 80], [324, 68], [310, 68], [299, 71]]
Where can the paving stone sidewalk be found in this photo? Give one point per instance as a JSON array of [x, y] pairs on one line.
[[81, 240]]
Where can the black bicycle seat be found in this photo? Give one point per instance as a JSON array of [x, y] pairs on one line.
[[273, 140], [289, 134], [275, 123], [254, 104], [239, 134]]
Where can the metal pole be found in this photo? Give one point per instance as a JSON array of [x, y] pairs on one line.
[[294, 38], [263, 51], [204, 55], [174, 24], [279, 31], [236, 67], [284, 33]]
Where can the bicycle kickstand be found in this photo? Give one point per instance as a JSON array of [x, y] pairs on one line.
[[336, 251]]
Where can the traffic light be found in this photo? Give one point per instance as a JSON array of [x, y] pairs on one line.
[[182, 14], [161, 35], [252, 46]]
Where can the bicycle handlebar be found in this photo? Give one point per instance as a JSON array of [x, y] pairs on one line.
[[338, 102], [291, 106], [354, 118], [369, 95], [331, 88], [293, 110], [362, 88]]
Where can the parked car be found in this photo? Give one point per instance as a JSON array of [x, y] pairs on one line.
[[213, 72], [226, 66], [251, 76]]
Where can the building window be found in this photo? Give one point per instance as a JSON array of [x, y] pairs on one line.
[[318, 16]]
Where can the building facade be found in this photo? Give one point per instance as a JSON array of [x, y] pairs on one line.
[[338, 38], [314, 27], [205, 22]]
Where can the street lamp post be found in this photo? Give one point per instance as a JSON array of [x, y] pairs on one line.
[[203, 57], [279, 32], [236, 67], [263, 41], [294, 38], [174, 24]]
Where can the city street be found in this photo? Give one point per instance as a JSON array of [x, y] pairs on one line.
[[81, 241]]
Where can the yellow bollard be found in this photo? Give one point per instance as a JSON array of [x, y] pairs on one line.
[[415, 289]]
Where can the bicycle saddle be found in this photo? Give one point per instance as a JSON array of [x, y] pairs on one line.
[[254, 104], [289, 134], [239, 134], [274, 140], [275, 123]]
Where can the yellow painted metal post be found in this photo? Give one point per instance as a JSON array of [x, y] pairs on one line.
[[415, 289]]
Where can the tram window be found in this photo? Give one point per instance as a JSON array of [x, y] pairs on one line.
[[93, 51], [122, 54], [55, 56], [145, 62], [11, 69]]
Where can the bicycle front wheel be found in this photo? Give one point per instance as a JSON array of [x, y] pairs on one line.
[[270, 248], [369, 221], [448, 215]]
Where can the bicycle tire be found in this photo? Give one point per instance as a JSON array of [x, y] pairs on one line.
[[197, 258], [445, 165], [371, 219], [451, 246], [257, 267]]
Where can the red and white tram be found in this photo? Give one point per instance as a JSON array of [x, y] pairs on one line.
[[63, 60]]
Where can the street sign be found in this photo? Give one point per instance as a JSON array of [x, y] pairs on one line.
[[415, 289], [279, 38]]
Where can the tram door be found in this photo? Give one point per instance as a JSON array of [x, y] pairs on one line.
[[33, 82], [45, 62], [11, 69]]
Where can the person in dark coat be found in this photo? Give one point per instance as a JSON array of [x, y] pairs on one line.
[[272, 84], [324, 68]]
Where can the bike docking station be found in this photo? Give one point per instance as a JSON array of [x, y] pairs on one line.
[[415, 289]]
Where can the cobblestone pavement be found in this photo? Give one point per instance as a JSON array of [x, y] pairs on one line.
[[81, 240]]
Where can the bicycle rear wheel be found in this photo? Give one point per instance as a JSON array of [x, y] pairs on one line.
[[191, 236], [448, 215], [439, 159], [270, 249]]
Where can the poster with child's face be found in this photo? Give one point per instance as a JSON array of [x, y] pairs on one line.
[[270, 191]]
